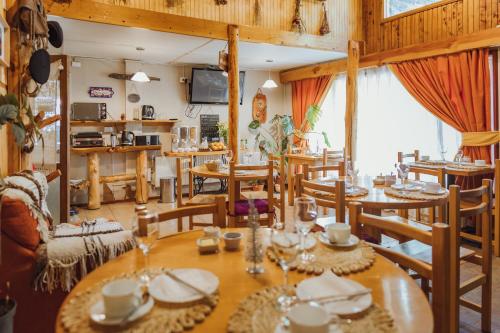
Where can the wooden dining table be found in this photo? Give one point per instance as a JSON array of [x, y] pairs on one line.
[[392, 288], [451, 170]]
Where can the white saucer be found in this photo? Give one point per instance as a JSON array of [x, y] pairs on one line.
[[407, 187], [440, 192], [167, 290], [353, 240], [98, 316]]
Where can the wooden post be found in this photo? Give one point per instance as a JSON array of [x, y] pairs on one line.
[[93, 177], [14, 87], [351, 98], [141, 191], [234, 89]]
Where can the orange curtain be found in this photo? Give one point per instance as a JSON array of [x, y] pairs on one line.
[[308, 92], [456, 89]]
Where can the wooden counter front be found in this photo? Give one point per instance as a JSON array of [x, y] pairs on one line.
[[117, 149]]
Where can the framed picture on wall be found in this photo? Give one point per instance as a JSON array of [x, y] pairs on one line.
[[4, 42]]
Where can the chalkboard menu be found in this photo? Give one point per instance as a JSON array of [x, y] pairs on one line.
[[208, 125]]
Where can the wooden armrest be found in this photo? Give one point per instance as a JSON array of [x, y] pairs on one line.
[[53, 175]]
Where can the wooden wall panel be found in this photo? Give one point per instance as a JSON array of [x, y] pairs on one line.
[[275, 14], [439, 21]]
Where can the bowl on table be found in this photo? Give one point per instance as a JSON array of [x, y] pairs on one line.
[[213, 165]]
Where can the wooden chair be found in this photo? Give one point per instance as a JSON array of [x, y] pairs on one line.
[[310, 171], [199, 199], [333, 155], [238, 208], [415, 156], [217, 211], [439, 270], [484, 280], [278, 198], [329, 196]]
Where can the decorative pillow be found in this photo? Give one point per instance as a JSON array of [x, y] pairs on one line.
[[18, 223]]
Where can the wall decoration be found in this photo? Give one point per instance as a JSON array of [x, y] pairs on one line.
[[259, 107], [297, 22], [325, 26], [220, 2], [101, 92]]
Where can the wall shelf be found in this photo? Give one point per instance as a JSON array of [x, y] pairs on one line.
[[117, 149], [109, 123]]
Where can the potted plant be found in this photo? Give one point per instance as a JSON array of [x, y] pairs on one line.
[[222, 129], [9, 113], [7, 312]]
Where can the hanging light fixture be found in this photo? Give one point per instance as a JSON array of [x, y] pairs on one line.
[[140, 76], [269, 84]]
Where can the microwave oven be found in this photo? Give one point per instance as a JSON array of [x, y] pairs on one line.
[[88, 111]]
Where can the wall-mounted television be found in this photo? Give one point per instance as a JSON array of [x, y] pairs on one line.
[[209, 86]]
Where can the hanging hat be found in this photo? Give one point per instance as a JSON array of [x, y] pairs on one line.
[[55, 34], [39, 66]]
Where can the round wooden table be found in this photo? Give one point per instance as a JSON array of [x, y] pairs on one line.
[[392, 287]]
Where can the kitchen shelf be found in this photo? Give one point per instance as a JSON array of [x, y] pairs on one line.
[[117, 149], [106, 123]]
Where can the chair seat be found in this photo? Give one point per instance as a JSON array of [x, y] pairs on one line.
[[242, 207], [203, 199], [423, 252], [257, 195]]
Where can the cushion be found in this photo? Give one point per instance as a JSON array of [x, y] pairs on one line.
[[18, 224], [241, 207], [203, 199]]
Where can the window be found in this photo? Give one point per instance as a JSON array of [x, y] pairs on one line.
[[395, 7], [389, 120]]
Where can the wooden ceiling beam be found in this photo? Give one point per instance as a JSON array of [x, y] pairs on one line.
[[93, 11], [484, 38]]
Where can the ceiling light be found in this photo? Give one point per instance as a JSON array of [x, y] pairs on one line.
[[140, 76], [269, 84]]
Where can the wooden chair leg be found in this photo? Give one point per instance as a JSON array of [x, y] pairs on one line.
[[418, 215], [191, 223], [425, 287], [496, 228], [432, 215], [179, 224]]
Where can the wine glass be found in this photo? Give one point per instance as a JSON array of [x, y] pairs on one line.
[[305, 212], [145, 230], [229, 155], [443, 152], [285, 245], [403, 171], [459, 156], [351, 174]]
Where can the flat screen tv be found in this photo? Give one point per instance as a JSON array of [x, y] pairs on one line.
[[209, 86]]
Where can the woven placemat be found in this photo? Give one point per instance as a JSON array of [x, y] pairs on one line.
[[162, 318], [341, 261], [414, 195], [355, 191], [258, 314]]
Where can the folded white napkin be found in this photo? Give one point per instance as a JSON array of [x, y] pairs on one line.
[[326, 285], [171, 289]]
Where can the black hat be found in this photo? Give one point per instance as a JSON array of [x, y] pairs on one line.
[[40, 66], [55, 34]]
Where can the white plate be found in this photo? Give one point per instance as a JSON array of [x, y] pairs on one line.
[[346, 307], [353, 240], [98, 316], [407, 187], [441, 191], [167, 290]]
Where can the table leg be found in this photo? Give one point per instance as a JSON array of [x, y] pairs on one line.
[[141, 187], [94, 195], [290, 182]]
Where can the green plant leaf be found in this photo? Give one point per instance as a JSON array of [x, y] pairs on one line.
[[327, 142], [8, 113], [312, 115], [19, 133]]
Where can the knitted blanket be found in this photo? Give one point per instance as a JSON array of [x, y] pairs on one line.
[[73, 251]]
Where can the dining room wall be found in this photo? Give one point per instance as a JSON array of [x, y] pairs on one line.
[[169, 98]]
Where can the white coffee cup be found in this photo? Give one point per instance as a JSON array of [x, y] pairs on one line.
[[338, 232], [120, 297], [212, 232], [480, 162], [308, 318], [432, 187], [232, 240]]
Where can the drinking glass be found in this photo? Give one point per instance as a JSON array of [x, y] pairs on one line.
[[443, 152], [458, 156], [145, 230], [403, 171], [285, 245], [351, 174], [229, 156], [305, 212]]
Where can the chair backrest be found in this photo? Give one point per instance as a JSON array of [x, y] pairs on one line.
[[481, 197], [330, 196], [218, 212], [181, 170], [239, 173], [415, 156], [331, 154], [309, 170], [440, 173], [295, 150], [439, 272], [279, 168]]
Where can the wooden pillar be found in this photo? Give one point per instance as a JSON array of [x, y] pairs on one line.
[[141, 190], [234, 89], [351, 98], [93, 177]]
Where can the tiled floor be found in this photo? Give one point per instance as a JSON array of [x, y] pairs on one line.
[[469, 320]]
